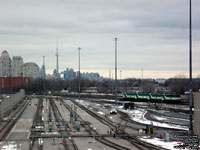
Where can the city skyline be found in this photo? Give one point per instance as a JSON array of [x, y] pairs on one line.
[[153, 35], [15, 67]]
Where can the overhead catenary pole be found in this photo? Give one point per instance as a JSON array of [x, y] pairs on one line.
[[190, 63], [116, 70]]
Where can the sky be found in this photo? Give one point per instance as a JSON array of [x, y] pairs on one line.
[[153, 35]]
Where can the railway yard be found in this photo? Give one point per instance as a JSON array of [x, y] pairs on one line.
[[56, 122]]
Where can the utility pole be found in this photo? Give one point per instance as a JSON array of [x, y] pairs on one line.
[[115, 70], [79, 86], [190, 62]]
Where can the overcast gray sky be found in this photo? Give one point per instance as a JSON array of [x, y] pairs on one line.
[[153, 34]]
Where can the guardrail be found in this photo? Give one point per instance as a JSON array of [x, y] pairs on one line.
[[9, 103]]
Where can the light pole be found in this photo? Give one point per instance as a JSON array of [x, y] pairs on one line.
[[112, 83], [44, 77], [190, 62], [115, 70], [142, 80], [120, 82], [109, 73], [79, 86]]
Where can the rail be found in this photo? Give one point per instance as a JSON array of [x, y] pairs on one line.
[[6, 105], [13, 119], [139, 144], [94, 133], [37, 127], [62, 127]]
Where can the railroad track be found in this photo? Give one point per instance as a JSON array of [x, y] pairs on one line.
[[127, 118], [37, 128], [13, 119], [62, 127], [148, 116], [95, 133], [139, 144]]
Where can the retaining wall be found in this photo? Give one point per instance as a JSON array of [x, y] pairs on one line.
[[9, 103]]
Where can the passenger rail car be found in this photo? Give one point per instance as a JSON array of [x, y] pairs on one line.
[[152, 97]]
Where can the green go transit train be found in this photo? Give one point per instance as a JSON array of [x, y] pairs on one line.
[[152, 97]]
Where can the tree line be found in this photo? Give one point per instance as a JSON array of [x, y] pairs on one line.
[[173, 85]]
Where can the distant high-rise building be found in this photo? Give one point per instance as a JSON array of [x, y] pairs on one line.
[[31, 70], [91, 76], [17, 63], [69, 74], [56, 74], [5, 64], [43, 71]]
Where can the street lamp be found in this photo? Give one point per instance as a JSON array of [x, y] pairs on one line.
[[190, 62]]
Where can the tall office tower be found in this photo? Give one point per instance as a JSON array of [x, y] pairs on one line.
[[43, 71], [31, 70], [5, 64], [17, 63]]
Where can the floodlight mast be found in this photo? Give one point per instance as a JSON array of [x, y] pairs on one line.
[[190, 63], [115, 70], [79, 86]]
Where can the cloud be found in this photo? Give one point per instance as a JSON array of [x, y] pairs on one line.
[[152, 34]]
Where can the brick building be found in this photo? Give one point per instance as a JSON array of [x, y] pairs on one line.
[[10, 82]]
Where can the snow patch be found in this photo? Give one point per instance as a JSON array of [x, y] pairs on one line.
[[101, 113], [138, 116], [120, 107], [159, 142], [10, 146], [160, 118]]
